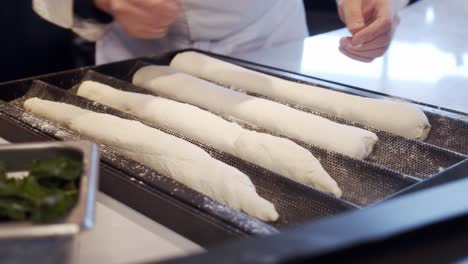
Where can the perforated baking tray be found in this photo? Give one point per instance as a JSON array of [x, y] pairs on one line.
[[446, 145], [445, 122], [363, 182], [298, 205]]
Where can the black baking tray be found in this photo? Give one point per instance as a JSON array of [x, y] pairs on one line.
[[430, 226], [448, 126], [446, 145], [309, 204], [426, 222], [299, 205], [362, 183], [180, 215], [121, 186]]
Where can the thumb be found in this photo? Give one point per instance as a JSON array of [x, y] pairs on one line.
[[353, 15]]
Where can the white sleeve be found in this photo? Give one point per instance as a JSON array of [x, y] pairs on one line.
[[60, 13]]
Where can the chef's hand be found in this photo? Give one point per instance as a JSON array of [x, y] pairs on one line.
[[148, 19], [371, 23]]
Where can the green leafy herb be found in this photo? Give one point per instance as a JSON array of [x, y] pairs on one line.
[[60, 168], [46, 195], [14, 209]]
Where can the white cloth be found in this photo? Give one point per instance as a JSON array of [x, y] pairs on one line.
[[220, 26]]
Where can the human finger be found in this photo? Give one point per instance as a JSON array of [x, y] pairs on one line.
[[352, 14], [380, 42], [384, 22], [355, 56]]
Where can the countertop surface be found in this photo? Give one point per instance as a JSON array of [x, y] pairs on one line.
[[123, 235], [427, 61]]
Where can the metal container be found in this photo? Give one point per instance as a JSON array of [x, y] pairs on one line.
[[44, 243]]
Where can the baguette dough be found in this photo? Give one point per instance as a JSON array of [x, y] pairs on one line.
[[395, 117], [167, 82], [169, 155], [280, 155]]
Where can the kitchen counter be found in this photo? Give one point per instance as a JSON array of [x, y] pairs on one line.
[[427, 62], [123, 235]]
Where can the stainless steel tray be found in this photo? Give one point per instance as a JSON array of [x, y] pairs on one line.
[[18, 157]]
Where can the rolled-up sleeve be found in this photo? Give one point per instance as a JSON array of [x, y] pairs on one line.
[[61, 13]]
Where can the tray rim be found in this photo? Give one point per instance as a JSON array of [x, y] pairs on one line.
[[366, 228]]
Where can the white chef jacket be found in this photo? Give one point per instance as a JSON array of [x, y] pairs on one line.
[[220, 26]]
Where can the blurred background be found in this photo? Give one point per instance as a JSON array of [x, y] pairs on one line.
[[31, 46]]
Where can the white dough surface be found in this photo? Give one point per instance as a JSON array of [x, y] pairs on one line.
[[169, 155], [399, 118], [167, 82], [277, 154]]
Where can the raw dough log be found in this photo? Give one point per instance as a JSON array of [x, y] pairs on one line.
[[167, 82], [280, 155], [169, 155], [395, 117]]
